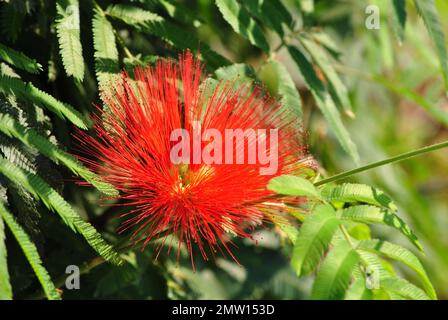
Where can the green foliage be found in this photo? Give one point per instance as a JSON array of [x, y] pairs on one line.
[[31, 138], [152, 23], [314, 238], [335, 84], [324, 102], [68, 31], [347, 261], [31, 253], [279, 83], [404, 289], [272, 13], [19, 60], [238, 17], [354, 193], [17, 87], [293, 186], [428, 11], [371, 214], [40, 189], [106, 52], [5, 286], [400, 15], [401, 254], [335, 274], [238, 72]]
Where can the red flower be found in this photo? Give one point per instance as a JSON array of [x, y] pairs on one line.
[[190, 196]]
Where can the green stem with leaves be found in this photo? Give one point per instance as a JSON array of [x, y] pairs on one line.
[[395, 159]]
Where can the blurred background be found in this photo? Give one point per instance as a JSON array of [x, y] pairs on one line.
[[398, 103]]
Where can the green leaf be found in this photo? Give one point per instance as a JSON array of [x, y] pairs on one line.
[[403, 255], [324, 102], [400, 16], [428, 11], [370, 214], [241, 22], [19, 60], [236, 71], [326, 40], [181, 12], [335, 274], [106, 52], [359, 231], [313, 239], [132, 15], [403, 288], [358, 290], [148, 22], [279, 82], [376, 272], [290, 231], [27, 90], [337, 87], [374, 269], [293, 186], [68, 32], [5, 286], [353, 193], [53, 200], [31, 138], [31, 253], [272, 13]]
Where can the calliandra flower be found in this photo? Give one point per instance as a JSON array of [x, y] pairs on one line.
[[199, 202]]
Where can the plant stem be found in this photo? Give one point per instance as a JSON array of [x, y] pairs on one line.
[[346, 236], [400, 157]]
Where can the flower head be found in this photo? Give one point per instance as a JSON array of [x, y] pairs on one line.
[[192, 158]]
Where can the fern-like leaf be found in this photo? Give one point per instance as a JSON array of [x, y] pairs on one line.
[[313, 239], [336, 86], [353, 193], [324, 102], [19, 60], [31, 253], [17, 87], [280, 83], [335, 274], [53, 200], [154, 24], [5, 286], [400, 16], [370, 214], [403, 288], [242, 23], [403, 255], [106, 52], [32, 139], [428, 11], [358, 290], [68, 32], [272, 13]]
